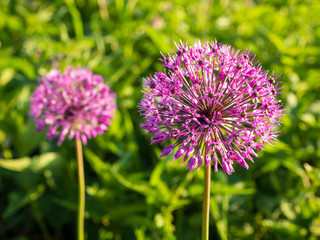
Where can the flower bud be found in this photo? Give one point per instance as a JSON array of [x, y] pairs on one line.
[[166, 151], [192, 163]]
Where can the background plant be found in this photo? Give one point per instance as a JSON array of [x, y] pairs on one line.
[[135, 195]]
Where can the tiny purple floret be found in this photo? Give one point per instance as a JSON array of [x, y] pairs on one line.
[[192, 163], [167, 150], [217, 103]]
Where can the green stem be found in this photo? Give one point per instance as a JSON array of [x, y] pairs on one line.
[[206, 202], [81, 190], [39, 219]]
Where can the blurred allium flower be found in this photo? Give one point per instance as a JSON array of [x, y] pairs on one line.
[[75, 103], [217, 103]]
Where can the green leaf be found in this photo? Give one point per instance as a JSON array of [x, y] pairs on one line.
[[101, 168], [139, 186], [16, 165], [158, 183], [23, 143], [218, 220], [17, 201], [285, 228], [35, 164]]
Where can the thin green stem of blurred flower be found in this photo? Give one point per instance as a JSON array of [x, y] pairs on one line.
[[81, 204], [38, 217], [206, 202]]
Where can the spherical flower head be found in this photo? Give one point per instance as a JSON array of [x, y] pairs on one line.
[[217, 103], [75, 103]]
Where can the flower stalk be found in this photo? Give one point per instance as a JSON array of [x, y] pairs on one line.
[[81, 190], [206, 202]]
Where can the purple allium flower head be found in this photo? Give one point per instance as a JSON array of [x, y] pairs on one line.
[[216, 102], [75, 103]]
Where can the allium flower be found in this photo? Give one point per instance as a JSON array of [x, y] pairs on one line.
[[217, 103], [75, 103]]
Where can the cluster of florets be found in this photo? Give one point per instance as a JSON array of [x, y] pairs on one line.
[[217, 103], [75, 103]]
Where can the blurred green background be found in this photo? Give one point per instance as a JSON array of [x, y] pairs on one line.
[[131, 194]]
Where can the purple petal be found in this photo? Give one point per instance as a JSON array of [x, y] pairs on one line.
[[192, 163], [179, 153], [207, 159], [166, 151], [225, 167]]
